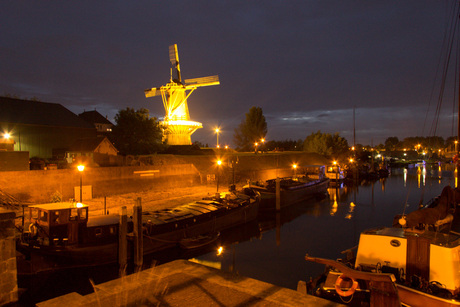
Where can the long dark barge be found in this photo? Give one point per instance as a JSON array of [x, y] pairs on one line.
[[64, 235]]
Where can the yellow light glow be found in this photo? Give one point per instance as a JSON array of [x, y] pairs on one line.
[[218, 146], [6, 135], [79, 205], [81, 168], [219, 162], [217, 130], [335, 162], [262, 140], [351, 160], [294, 166], [255, 144], [220, 250], [226, 146]]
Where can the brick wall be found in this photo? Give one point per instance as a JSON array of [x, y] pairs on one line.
[[8, 272]]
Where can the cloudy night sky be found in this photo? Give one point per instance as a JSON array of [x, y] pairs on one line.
[[305, 63]]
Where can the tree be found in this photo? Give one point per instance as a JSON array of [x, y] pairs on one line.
[[250, 130], [136, 133], [326, 144], [391, 143]]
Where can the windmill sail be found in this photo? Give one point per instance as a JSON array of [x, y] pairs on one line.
[[174, 59], [203, 81]]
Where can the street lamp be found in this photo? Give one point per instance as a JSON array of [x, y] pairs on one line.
[[217, 133], [255, 146], [294, 166], [219, 163], [81, 168]]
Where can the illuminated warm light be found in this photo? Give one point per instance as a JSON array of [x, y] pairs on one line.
[[177, 126], [294, 166], [7, 135], [335, 162], [256, 144], [226, 146], [218, 146], [262, 140], [351, 160], [352, 204], [79, 205], [217, 130], [219, 162], [220, 250], [353, 148], [81, 168]]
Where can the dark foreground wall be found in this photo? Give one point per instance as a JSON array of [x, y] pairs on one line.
[[8, 278]]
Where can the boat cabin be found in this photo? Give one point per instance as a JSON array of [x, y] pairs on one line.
[[68, 223], [57, 223]]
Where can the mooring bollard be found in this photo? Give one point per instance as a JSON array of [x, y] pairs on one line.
[[278, 196], [123, 242], [138, 236]]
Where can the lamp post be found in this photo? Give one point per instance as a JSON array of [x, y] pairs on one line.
[[219, 163], [294, 166], [217, 133], [255, 147], [81, 168]]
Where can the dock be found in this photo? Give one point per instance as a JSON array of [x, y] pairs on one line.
[[185, 283]]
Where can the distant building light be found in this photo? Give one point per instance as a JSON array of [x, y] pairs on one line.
[[6, 136]]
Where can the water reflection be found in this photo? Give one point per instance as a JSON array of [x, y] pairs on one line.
[[324, 228]]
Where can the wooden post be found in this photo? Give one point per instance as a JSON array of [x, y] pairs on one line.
[[138, 236], [278, 196], [123, 242]]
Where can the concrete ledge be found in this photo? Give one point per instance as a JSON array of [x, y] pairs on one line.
[[184, 283]]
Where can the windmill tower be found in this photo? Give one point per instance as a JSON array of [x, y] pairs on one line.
[[177, 126]]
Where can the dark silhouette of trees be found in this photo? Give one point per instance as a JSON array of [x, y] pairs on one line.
[[251, 130], [136, 133], [333, 146]]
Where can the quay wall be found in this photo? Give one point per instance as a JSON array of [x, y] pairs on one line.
[[163, 172], [8, 269]]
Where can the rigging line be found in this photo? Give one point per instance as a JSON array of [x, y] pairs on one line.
[[440, 58], [452, 32]]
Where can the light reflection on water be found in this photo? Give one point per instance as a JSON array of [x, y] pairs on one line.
[[324, 228]]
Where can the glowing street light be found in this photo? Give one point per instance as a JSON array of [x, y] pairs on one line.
[[81, 168], [6, 136], [217, 133], [294, 166]]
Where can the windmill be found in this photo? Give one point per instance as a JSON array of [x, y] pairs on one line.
[[177, 126]]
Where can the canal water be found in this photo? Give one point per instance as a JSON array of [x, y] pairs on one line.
[[324, 228], [272, 249]]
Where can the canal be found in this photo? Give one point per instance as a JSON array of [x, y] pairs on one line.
[[324, 228], [272, 249]]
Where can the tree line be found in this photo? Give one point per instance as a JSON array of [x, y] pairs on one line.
[[136, 133]]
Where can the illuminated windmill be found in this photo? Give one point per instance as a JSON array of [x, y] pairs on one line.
[[177, 126]]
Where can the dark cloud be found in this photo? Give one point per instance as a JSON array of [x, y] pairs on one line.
[[306, 63]]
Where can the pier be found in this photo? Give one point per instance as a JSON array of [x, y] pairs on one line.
[[185, 283]]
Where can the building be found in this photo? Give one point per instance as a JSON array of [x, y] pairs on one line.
[[97, 150], [41, 128], [101, 123]]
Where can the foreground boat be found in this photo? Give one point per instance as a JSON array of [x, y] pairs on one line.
[[291, 189], [63, 235], [421, 255]]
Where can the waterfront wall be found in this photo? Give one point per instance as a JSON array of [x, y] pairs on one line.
[[163, 172], [8, 271], [41, 185]]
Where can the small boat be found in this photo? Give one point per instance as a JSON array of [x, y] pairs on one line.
[[291, 189], [64, 235], [414, 263], [199, 241], [335, 175]]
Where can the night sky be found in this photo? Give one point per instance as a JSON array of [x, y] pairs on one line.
[[305, 63]]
